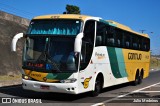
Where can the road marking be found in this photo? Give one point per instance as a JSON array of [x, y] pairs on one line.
[[120, 96], [131, 92], [157, 86], [149, 91], [98, 104]]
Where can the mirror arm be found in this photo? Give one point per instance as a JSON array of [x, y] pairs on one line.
[[14, 41]]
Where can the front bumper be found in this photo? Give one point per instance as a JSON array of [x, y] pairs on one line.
[[69, 88]]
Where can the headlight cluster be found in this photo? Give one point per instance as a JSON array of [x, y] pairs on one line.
[[69, 80], [26, 77]]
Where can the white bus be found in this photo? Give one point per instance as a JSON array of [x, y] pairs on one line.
[[76, 53]]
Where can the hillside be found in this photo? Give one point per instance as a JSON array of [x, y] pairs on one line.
[[10, 62]]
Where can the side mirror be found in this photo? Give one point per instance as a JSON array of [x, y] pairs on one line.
[[14, 41], [78, 42]]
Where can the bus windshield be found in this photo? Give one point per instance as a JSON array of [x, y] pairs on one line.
[[49, 54], [55, 27]]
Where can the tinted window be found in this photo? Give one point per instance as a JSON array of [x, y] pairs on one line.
[[119, 38], [55, 27], [89, 31], [110, 41], [101, 34], [111, 36], [146, 44]]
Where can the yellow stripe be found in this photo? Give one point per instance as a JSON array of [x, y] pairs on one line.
[[62, 16], [39, 76]]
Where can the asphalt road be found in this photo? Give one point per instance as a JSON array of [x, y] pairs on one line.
[[144, 94]]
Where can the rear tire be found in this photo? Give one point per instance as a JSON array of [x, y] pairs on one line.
[[140, 78], [98, 87], [137, 79]]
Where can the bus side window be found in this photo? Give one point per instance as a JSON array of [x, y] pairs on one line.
[[127, 44], [148, 44], [89, 30], [145, 44], [134, 45], [110, 36], [111, 40], [118, 37], [127, 40], [135, 42], [100, 34], [140, 43]]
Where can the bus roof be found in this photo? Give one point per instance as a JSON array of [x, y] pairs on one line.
[[63, 16], [83, 17], [123, 27]]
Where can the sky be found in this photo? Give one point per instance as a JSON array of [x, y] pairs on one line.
[[137, 14]]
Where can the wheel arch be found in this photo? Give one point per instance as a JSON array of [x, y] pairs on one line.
[[99, 74]]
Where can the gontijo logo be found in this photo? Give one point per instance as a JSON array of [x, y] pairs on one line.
[[134, 56], [35, 75]]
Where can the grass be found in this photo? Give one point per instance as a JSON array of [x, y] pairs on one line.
[[155, 63], [9, 78]]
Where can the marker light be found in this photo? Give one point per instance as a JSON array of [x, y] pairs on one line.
[[26, 77], [69, 80]]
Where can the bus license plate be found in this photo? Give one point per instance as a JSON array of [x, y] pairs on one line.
[[44, 87]]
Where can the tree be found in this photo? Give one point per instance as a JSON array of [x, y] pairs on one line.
[[71, 9]]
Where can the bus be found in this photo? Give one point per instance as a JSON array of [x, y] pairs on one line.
[[73, 54]]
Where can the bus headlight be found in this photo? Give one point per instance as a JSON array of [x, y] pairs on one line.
[[25, 77], [69, 80]]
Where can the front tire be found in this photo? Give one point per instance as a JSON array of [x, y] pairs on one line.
[[98, 87]]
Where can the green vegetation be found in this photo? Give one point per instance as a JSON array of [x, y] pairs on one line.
[[71, 9], [155, 63]]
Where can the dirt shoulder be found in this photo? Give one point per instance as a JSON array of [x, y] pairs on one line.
[[10, 80]]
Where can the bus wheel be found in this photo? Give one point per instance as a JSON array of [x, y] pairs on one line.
[[98, 87], [137, 78], [140, 78]]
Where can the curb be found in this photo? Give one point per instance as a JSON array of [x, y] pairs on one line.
[[10, 83]]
